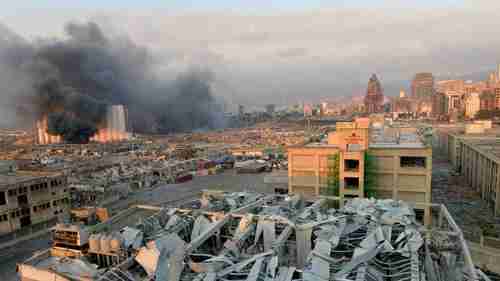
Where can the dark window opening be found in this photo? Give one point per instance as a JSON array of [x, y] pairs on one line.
[[351, 183], [412, 162], [22, 199], [350, 196], [25, 221], [3, 200], [419, 215], [351, 165]]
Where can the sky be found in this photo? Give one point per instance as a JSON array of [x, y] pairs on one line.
[[223, 4], [289, 51]]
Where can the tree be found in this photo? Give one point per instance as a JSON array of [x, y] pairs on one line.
[[333, 180], [370, 176]]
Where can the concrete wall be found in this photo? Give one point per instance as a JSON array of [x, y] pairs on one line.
[[481, 170], [411, 184], [47, 199], [308, 169]]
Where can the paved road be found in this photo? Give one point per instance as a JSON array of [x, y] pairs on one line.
[[10, 256], [229, 181]]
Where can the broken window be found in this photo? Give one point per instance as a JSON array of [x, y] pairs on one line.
[[22, 199], [351, 165], [351, 183], [412, 162], [3, 200]]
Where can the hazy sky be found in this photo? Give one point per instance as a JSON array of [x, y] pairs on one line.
[[290, 50]]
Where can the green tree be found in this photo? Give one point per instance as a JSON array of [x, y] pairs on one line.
[[370, 176], [333, 175]]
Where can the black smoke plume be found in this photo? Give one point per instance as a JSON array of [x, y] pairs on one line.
[[72, 81]]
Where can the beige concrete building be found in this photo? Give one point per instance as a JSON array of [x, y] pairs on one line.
[[475, 155], [472, 105], [30, 201], [401, 164]]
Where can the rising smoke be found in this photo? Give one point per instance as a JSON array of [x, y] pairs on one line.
[[71, 81]]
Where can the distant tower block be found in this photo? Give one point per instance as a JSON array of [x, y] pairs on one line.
[[43, 137], [115, 126]]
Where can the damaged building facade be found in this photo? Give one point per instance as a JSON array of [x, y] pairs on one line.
[[246, 236], [400, 164], [30, 202], [113, 129], [474, 151]]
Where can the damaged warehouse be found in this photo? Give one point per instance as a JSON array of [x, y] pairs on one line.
[[247, 236]]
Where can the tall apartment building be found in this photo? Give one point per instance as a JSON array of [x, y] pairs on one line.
[[472, 103], [374, 99], [438, 104], [30, 201], [402, 164], [422, 86], [487, 100]]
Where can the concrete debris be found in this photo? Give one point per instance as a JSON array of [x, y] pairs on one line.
[[132, 237], [201, 224], [281, 238], [162, 256]]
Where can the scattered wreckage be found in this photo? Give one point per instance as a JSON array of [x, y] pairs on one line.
[[247, 236]]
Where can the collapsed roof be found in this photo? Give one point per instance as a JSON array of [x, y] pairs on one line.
[[270, 237]]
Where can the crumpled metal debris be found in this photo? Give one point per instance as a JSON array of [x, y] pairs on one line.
[[163, 257]]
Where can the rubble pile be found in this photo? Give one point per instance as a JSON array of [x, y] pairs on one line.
[[245, 236]]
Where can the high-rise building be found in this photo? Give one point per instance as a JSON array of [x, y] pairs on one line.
[[270, 109], [241, 110], [445, 86], [472, 104], [422, 86], [374, 99], [439, 105], [308, 110], [498, 73], [487, 100]]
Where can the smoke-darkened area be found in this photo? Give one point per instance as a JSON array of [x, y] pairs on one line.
[[72, 81]]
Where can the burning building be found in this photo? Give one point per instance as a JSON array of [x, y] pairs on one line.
[[113, 128]]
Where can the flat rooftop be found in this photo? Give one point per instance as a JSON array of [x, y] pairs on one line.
[[486, 145], [23, 176], [397, 145]]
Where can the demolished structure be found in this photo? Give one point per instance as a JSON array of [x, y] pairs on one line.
[[246, 236]]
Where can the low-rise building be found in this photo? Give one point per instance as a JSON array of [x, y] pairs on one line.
[[30, 201], [390, 162], [474, 152]]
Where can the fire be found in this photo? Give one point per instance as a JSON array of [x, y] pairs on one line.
[[106, 135], [44, 137], [113, 130]]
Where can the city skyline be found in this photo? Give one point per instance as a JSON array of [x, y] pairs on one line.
[[308, 51]]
